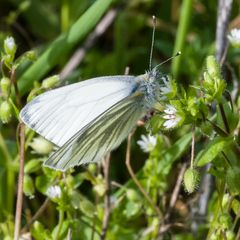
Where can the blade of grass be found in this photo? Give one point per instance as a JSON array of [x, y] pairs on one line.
[[184, 21], [63, 45]]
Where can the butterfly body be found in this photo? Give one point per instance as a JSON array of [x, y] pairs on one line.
[[87, 120]]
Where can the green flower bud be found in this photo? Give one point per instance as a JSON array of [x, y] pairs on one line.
[[41, 146], [133, 195], [7, 59], [5, 84], [31, 55], [51, 81], [225, 221], [28, 186], [92, 168], [233, 179], [191, 180], [5, 111], [10, 46], [214, 84], [100, 189], [213, 67]]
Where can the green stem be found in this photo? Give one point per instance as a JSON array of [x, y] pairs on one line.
[[6, 195], [65, 15], [5, 149], [184, 20], [60, 223]]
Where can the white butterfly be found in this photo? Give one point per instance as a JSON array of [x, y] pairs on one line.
[[87, 120]]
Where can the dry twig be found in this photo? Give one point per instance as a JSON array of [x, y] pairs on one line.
[[78, 56]]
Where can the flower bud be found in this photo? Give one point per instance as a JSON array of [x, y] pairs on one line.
[[92, 168], [191, 180], [7, 59], [225, 221], [5, 111], [51, 81], [41, 146], [28, 186], [213, 67], [213, 84], [100, 189], [10, 46], [5, 84], [31, 55]]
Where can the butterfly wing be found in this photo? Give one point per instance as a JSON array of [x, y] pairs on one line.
[[59, 114], [100, 136]]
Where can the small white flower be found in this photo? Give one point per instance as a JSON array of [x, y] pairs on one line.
[[147, 143], [234, 37], [171, 116], [54, 191], [168, 88]]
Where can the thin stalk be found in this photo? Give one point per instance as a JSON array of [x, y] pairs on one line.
[[20, 183], [134, 178], [184, 21], [36, 215], [60, 223], [106, 198], [193, 147]]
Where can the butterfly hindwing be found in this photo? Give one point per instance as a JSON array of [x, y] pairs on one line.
[[100, 136]]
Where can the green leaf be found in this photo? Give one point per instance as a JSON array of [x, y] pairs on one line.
[[211, 151], [63, 45]]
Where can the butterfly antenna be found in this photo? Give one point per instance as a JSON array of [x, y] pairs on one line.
[[153, 38], [169, 59]]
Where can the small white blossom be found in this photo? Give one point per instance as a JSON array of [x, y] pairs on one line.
[[147, 143], [168, 87], [234, 37], [171, 116], [54, 191]]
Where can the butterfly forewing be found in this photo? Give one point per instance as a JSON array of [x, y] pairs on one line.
[[100, 136], [59, 114]]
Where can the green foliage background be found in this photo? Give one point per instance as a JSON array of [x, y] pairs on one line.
[[54, 30]]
